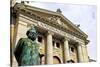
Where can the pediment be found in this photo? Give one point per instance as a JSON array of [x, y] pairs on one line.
[[54, 17]]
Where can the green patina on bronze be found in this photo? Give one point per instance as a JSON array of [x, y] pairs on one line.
[[26, 51]]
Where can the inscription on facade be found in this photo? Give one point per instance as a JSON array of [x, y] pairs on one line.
[[62, 33], [51, 28]]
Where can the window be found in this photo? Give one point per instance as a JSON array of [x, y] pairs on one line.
[[71, 61], [72, 49], [40, 39], [53, 43], [58, 45]]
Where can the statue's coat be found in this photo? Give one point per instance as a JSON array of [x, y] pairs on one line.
[[26, 52]]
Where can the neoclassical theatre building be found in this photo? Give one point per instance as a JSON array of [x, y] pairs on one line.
[[60, 41]]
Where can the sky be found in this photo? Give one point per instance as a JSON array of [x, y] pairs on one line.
[[85, 15]]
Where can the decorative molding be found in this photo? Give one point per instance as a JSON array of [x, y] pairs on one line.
[[51, 23], [82, 44], [66, 38], [50, 32], [53, 29]]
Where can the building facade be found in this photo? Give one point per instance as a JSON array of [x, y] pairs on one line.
[[60, 41]]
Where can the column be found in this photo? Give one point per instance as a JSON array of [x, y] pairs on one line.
[[12, 27], [80, 53], [12, 31], [66, 50], [85, 53], [49, 49]]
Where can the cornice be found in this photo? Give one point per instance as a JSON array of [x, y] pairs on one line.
[[45, 20]]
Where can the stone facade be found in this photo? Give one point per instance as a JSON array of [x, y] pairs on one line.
[[60, 40]]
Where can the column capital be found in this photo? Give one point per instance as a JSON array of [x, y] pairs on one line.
[[12, 25], [50, 32], [66, 38], [81, 44], [87, 41]]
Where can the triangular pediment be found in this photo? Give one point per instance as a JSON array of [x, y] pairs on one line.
[[53, 16]]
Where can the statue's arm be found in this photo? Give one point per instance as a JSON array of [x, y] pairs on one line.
[[18, 49]]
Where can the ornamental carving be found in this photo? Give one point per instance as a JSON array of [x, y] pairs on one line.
[[54, 19]]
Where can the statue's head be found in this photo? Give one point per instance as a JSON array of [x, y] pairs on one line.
[[31, 33]]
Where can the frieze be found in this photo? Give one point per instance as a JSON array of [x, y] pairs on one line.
[[51, 28], [62, 33]]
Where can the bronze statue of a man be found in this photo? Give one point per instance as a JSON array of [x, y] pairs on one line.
[[26, 52]]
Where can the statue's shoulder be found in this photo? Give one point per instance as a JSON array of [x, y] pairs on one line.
[[23, 39]]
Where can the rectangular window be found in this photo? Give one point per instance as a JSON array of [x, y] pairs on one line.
[[72, 49], [58, 45], [53, 43], [40, 39]]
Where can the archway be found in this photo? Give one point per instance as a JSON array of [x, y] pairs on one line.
[[42, 59], [56, 60], [71, 61]]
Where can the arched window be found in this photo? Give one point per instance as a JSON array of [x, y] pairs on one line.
[[57, 45], [42, 59], [56, 60], [71, 61], [72, 49]]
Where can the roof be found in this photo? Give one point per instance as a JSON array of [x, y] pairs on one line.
[[53, 13], [91, 60]]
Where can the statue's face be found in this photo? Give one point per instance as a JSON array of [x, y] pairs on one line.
[[32, 35]]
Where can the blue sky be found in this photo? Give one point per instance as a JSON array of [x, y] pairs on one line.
[[85, 15]]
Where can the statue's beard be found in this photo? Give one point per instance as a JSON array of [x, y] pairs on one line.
[[32, 36]]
